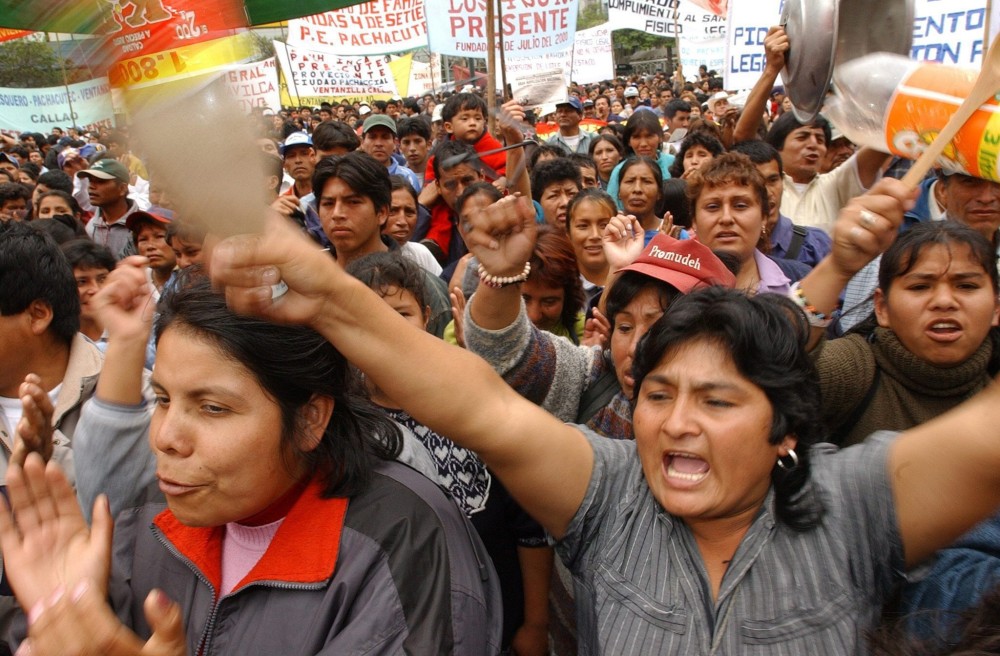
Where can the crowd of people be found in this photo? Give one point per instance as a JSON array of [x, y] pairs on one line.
[[687, 378]]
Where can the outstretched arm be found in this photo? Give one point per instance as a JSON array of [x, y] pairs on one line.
[[945, 475], [544, 463], [775, 47]]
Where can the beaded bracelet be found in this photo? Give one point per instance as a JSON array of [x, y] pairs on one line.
[[815, 318], [497, 282]]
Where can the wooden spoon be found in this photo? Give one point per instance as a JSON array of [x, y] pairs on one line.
[[986, 86]]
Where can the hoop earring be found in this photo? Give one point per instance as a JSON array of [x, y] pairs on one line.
[[795, 461]]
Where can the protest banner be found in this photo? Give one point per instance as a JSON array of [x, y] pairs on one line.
[[591, 55], [312, 77], [950, 32], [149, 44], [255, 85], [994, 21], [40, 110], [424, 77], [746, 28], [681, 18], [377, 27], [530, 28], [8, 35], [711, 53]]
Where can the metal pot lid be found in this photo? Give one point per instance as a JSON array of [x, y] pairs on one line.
[[811, 26], [865, 27]]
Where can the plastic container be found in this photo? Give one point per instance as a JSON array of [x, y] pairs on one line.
[[896, 104]]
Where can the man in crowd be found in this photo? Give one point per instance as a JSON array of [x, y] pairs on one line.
[[664, 96], [108, 192], [354, 195], [299, 156], [415, 144], [378, 139], [13, 201], [602, 108], [677, 115], [570, 137]]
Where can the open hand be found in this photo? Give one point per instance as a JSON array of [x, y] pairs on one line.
[[50, 547], [624, 239]]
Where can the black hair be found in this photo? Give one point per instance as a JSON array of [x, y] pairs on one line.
[[674, 106], [592, 195], [787, 123], [970, 632], [273, 167], [545, 149], [615, 142], [115, 136], [583, 161], [475, 189], [695, 138], [552, 171], [399, 182], [187, 230], [630, 284], [85, 254], [450, 148], [13, 191], [654, 168], [759, 152], [380, 105], [904, 253], [65, 197], [414, 125], [62, 228], [335, 134], [675, 201], [461, 102], [361, 172], [291, 364], [766, 336], [641, 122], [56, 179], [32, 169], [411, 104], [32, 268], [383, 271]]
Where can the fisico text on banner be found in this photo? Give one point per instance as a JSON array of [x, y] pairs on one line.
[[688, 19]]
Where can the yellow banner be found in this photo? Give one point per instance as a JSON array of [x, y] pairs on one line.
[[181, 63]]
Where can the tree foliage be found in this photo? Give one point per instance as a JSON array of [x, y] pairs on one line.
[[29, 64], [591, 15], [630, 41]]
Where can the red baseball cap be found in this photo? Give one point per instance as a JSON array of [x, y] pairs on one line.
[[686, 264]]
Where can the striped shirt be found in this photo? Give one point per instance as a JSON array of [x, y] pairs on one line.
[[642, 587]]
